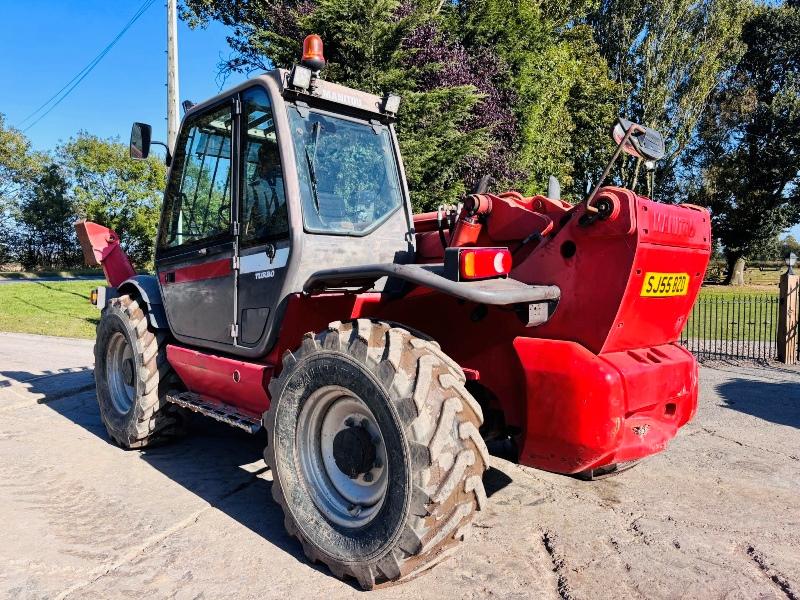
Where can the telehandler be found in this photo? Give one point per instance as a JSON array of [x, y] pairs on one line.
[[295, 291]]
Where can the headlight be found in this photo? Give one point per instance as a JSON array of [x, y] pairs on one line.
[[391, 104], [300, 77]]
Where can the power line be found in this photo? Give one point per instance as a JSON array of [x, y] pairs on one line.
[[91, 65], [81, 75]]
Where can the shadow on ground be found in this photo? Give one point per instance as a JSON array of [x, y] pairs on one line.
[[210, 462], [51, 385], [775, 402]]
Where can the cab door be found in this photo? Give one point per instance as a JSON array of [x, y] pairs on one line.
[[196, 246], [263, 220]]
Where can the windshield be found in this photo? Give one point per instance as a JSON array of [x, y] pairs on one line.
[[348, 176]]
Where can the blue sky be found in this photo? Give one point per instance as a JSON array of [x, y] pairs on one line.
[[43, 43]]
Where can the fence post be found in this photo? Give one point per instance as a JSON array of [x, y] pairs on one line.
[[788, 321]]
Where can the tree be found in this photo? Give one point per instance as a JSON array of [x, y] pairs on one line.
[[109, 187], [748, 155], [374, 46], [488, 87], [19, 164], [667, 58], [46, 214], [554, 82], [787, 245]]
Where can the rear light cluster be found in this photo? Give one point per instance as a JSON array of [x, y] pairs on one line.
[[467, 264]]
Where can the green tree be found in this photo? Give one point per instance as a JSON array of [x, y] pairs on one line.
[[502, 87], [563, 99], [748, 155], [19, 165], [667, 58], [109, 187], [369, 45], [46, 214], [787, 245]]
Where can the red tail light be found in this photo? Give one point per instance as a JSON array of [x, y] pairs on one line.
[[465, 264]]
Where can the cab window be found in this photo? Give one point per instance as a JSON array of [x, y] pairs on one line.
[[263, 215], [198, 200], [349, 182]]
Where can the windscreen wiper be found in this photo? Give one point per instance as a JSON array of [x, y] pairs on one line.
[[311, 170]]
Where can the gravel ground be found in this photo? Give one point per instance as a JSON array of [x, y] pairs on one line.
[[715, 516]]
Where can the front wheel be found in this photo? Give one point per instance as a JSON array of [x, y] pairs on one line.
[[374, 450], [131, 373]]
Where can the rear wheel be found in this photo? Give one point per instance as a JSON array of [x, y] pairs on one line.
[[374, 450], [131, 373]]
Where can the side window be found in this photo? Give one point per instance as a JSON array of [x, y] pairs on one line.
[[198, 201], [263, 216]]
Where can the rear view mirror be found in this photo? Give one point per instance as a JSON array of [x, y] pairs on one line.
[[643, 142], [140, 140]]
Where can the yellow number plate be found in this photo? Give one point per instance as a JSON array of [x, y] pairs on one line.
[[659, 285]]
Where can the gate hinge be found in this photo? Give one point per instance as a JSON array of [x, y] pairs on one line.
[[235, 263], [234, 330], [235, 226], [237, 106]]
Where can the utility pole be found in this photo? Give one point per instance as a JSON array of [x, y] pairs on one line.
[[172, 74]]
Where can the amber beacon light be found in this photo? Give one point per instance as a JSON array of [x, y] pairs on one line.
[[313, 55]]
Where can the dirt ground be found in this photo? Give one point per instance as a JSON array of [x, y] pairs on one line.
[[715, 516]]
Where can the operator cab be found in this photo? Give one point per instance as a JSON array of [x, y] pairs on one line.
[[282, 166]]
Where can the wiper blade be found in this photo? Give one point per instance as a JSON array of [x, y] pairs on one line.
[[312, 172]]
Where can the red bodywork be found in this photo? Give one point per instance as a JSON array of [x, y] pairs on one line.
[[603, 381], [100, 246]]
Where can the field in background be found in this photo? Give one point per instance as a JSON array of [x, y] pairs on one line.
[[710, 291], [755, 273], [59, 308]]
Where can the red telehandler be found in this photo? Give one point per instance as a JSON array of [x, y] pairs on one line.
[[382, 351]]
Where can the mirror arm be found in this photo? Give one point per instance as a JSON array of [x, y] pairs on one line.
[[168, 158], [634, 128]]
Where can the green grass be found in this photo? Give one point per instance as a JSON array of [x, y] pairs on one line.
[[59, 308], [741, 313], [734, 291]]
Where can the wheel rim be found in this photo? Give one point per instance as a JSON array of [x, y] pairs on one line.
[[342, 456], [120, 371]]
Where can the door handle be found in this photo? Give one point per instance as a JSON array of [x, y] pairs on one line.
[[169, 277]]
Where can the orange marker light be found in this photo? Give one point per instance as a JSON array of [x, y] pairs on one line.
[[313, 55], [468, 265]]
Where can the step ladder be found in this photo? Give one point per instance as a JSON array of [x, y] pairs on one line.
[[216, 410]]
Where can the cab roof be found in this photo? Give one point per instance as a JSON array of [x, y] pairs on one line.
[[326, 91]]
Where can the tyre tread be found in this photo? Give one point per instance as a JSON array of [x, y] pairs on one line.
[[441, 428]]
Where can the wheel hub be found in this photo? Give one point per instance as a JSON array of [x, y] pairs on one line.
[[342, 456], [353, 451], [127, 371], [120, 373]]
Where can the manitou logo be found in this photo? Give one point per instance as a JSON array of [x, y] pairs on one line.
[[673, 225], [341, 98]]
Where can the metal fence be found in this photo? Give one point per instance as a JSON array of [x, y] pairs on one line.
[[740, 326], [794, 335]]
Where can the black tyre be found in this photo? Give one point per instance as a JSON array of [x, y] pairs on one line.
[[374, 449], [131, 373]]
